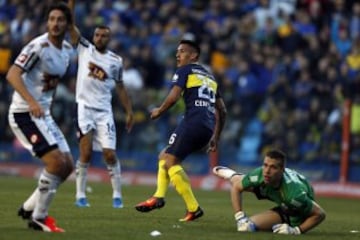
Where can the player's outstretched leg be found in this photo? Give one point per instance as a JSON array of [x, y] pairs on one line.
[[223, 172], [150, 204]]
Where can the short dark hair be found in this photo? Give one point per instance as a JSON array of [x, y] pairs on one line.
[[193, 44], [278, 155], [103, 27], [63, 7]]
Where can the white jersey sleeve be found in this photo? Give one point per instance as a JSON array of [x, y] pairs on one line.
[[29, 56], [97, 75]]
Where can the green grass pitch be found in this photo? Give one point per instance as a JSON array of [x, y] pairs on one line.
[[101, 221]]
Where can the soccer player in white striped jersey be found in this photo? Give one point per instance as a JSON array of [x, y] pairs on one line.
[[34, 76], [99, 72]]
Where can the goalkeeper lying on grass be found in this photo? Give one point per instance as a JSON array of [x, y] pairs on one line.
[[296, 213]]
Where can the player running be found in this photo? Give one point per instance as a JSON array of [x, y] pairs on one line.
[[198, 128]]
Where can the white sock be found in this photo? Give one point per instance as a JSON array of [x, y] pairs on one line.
[[47, 186], [29, 204], [115, 177], [81, 179]]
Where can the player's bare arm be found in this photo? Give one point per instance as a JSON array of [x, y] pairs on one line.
[[14, 78], [235, 192], [126, 103], [170, 100], [316, 216], [220, 122], [73, 30]]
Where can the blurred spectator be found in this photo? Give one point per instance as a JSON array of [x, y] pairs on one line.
[[245, 89], [355, 21], [132, 77], [303, 24], [287, 6], [353, 59], [152, 71], [4, 25], [20, 26], [5, 54], [302, 90], [263, 12]]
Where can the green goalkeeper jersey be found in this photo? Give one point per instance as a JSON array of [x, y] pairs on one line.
[[295, 195]]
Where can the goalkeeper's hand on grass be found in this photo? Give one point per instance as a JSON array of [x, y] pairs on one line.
[[244, 224], [284, 228]]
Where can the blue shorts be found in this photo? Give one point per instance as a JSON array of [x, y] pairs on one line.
[[188, 138]]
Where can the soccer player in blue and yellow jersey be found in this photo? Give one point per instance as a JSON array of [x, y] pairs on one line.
[[296, 211], [201, 126]]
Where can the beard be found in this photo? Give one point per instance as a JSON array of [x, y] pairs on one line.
[[100, 48]]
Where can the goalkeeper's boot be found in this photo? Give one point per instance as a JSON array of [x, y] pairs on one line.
[[150, 204], [191, 216], [82, 203], [47, 224], [117, 203], [24, 213], [223, 172]]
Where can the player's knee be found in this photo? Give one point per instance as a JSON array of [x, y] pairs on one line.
[[109, 156], [171, 161], [162, 154], [168, 165], [59, 164], [69, 168]]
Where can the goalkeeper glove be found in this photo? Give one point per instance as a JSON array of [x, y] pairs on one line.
[[286, 229], [244, 224]]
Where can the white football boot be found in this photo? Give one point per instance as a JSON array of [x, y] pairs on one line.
[[223, 172]]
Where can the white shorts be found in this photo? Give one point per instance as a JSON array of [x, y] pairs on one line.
[[101, 122], [38, 135]]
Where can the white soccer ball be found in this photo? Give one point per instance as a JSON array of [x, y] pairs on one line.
[[155, 233]]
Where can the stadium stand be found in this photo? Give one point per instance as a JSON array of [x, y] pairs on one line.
[[290, 65]]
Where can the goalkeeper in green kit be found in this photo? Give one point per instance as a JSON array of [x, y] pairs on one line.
[[296, 211]]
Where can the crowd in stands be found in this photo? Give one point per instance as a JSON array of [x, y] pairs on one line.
[[284, 66]]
